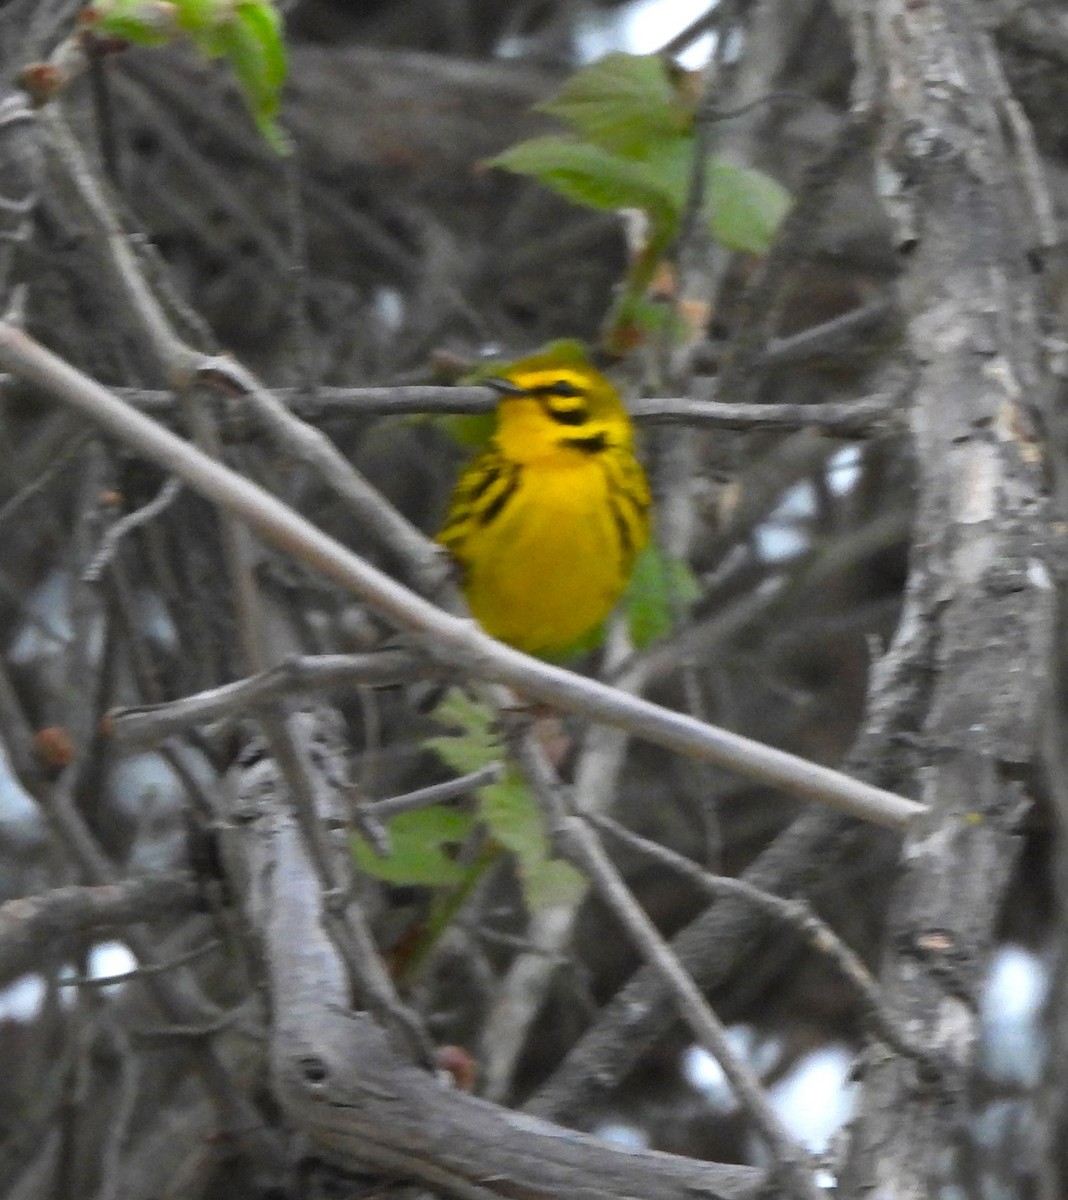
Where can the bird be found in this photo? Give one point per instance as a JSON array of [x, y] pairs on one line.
[[546, 522]]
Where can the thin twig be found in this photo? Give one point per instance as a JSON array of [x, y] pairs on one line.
[[436, 793], [550, 929], [799, 916], [183, 365], [419, 557], [579, 844], [147, 724], [761, 302], [121, 1117], [859, 417], [696, 29], [30, 925], [846, 418], [103, 981], [110, 542], [176, 993], [178, 360], [850, 333], [194, 1032]]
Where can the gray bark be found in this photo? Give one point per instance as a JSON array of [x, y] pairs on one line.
[[957, 188]]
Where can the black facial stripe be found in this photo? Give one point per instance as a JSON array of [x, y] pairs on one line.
[[561, 388], [568, 416], [592, 443]]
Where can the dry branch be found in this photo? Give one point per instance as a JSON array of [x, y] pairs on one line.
[[31, 925], [960, 192]]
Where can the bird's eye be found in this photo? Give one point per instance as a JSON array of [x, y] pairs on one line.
[[563, 389]]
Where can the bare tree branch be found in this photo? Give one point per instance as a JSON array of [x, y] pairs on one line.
[[31, 925]]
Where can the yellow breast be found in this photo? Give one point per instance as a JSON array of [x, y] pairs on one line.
[[546, 522]]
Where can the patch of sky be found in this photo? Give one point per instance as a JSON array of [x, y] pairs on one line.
[[46, 626], [22, 827], [108, 959], [622, 1133], [149, 793], [47, 623], [815, 1098], [22, 999], [782, 535], [641, 27], [389, 308], [1011, 1047], [702, 1071], [843, 470]]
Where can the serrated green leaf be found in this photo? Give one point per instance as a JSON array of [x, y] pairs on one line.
[[418, 848], [746, 207], [660, 587], [475, 744], [593, 176], [262, 54], [513, 817], [624, 103], [246, 32], [507, 807], [252, 41]]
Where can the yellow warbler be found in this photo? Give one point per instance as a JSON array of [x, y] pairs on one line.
[[547, 520]]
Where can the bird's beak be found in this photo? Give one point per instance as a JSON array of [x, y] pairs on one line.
[[504, 387]]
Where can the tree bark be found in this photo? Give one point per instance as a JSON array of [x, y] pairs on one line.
[[961, 193]]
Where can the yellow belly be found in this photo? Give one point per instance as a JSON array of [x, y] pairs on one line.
[[550, 567]]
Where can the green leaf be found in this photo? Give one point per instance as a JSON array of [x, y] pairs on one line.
[[659, 588], [264, 49], [247, 32], [655, 317], [592, 176], [475, 744], [252, 41], [746, 207], [507, 807], [198, 16], [419, 848], [513, 817], [625, 103]]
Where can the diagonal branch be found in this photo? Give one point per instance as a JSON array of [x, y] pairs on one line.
[[451, 641]]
